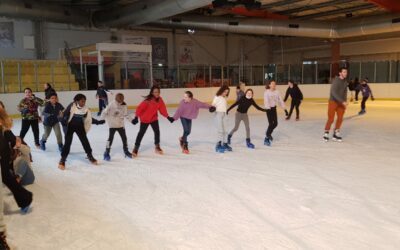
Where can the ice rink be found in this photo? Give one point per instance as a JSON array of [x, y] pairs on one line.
[[301, 193]]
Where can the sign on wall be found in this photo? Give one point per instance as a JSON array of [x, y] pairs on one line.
[[186, 52], [160, 50], [133, 56], [6, 34]]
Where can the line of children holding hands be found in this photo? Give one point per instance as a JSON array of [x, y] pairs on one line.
[[77, 118]]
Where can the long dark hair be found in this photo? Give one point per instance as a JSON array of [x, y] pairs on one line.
[[150, 95], [222, 89], [48, 86]]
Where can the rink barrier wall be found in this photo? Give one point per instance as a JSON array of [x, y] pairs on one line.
[[172, 97]]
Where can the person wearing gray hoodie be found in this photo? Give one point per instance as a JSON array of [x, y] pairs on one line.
[[337, 105]]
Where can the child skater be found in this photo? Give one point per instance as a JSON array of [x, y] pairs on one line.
[[9, 144], [187, 111], [115, 114], [101, 94], [30, 115], [240, 91], [366, 93], [52, 113], [221, 105], [295, 93], [244, 104], [147, 112], [77, 118], [272, 98]]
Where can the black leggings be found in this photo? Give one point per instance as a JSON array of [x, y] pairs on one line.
[[80, 131], [26, 124], [295, 104], [143, 127], [122, 133], [357, 93], [364, 100], [272, 121]]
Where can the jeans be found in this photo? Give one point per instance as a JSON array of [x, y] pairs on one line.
[[187, 128], [102, 104], [57, 131]]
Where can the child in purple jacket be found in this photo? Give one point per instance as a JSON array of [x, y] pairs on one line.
[[187, 111], [366, 93]]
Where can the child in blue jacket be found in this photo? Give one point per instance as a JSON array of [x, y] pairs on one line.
[[52, 113]]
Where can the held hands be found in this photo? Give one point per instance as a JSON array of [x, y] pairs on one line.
[[100, 122], [135, 121], [372, 98], [212, 109], [170, 119]]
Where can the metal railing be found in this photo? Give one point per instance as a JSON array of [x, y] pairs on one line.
[[16, 75]]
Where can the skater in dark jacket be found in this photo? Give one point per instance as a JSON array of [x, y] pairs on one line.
[[101, 94], [356, 86], [147, 112], [244, 104], [240, 91], [366, 93], [297, 96], [8, 145], [77, 118], [48, 91], [30, 115], [52, 113]]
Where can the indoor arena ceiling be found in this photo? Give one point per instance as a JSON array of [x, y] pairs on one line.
[[264, 17], [292, 9]]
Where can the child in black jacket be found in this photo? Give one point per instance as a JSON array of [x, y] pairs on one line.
[[296, 95], [244, 103], [52, 113], [77, 118]]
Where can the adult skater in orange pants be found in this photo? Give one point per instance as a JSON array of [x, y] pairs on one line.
[[337, 104]]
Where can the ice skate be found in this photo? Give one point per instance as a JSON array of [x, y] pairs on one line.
[[185, 149], [158, 149], [326, 136], [249, 144], [336, 136]]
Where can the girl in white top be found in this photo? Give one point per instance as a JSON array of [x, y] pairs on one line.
[[115, 114], [221, 105], [272, 98]]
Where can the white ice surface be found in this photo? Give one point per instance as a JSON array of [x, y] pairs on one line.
[[301, 193]]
